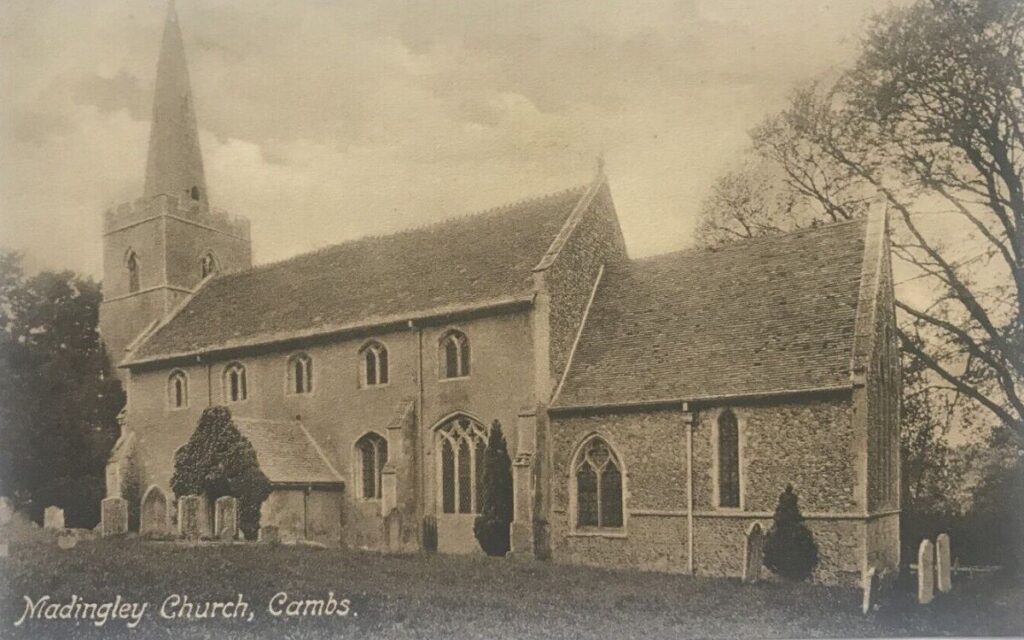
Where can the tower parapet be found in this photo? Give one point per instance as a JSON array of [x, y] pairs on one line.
[[142, 209]]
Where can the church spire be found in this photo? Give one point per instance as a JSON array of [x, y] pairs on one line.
[[175, 163]]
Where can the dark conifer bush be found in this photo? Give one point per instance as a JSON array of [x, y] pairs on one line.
[[492, 525], [789, 548], [219, 461]]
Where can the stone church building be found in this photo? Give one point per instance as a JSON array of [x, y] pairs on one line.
[[654, 408]]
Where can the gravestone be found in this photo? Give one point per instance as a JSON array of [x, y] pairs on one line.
[[6, 510], [925, 572], [753, 554], [153, 514], [270, 534], [67, 539], [191, 512], [870, 587], [113, 517], [225, 518], [943, 577], [53, 518]]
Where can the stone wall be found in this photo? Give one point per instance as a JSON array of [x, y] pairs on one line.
[[807, 443], [595, 240]]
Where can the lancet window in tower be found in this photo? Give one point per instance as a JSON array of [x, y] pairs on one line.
[[132, 264]]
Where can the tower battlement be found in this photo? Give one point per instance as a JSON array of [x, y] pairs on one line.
[[129, 213]]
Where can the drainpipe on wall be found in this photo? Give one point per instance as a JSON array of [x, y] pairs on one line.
[[420, 444], [688, 417]]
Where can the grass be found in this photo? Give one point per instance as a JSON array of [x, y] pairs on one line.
[[429, 596]]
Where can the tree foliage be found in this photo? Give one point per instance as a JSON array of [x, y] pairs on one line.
[[931, 118], [789, 548], [219, 461], [59, 403], [492, 525]]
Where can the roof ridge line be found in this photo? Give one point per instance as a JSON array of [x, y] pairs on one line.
[[158, 324], [571, 222], [747, 241]]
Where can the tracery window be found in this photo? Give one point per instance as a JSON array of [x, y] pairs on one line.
[[372, 452], [374, 361], [598, 480], [454, 355], [728, 460], [300, 374], [462, 441], [235, 385], [177, 390]]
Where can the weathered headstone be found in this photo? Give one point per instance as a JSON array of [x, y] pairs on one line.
[[870, 587], [191, 516], [67, 539], [225, 518], [153, 513], [53, 518], [113, 517], [6, 510], [925, 572], [270, 534], [943, 575], [753, 554]]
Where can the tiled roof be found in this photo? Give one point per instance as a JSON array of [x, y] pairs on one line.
[[286, 452], [465, 261], [765, 315]]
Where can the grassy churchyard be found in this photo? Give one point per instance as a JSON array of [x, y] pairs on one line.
[[430, 596]]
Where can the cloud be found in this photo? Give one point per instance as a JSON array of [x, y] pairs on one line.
[[322, 121]]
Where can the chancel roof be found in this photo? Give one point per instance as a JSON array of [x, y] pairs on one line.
[[774, 314], [473, 260]]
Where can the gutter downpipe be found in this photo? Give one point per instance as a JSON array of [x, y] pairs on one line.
[[688, 417]]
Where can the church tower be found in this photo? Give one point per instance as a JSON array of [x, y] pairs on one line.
[[158, 249]]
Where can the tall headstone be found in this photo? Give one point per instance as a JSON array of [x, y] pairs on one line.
[[113, 517], [925, 572], [943, 570], [870, 587], [6, 510], [153, 513], [53, 518], [191, 512], [753, 554], [225, 518]]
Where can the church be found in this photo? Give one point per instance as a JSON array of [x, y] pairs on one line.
[[654, 408]]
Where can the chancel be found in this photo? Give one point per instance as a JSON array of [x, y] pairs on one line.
[[654, 408]]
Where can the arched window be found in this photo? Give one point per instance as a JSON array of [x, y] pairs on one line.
[[132, 264], [177, 390], [598, 480], [235, 387], [300, 374], [374, 364], [195, 193], [454, 355], [462, 441], [728, 460], [372, 452], [207, 265]]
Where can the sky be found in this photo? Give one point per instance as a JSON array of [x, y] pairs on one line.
[[323, 121]]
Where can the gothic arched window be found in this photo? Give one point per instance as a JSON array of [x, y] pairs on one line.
[[207, 265], [373, 455], [300, 374], [373, 364], [728, 460], [132, 264], [177, 390], [235, 386], [454, 355], [598, 483], [462, 441]]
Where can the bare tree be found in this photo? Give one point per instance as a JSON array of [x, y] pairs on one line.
[[930, 117]]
